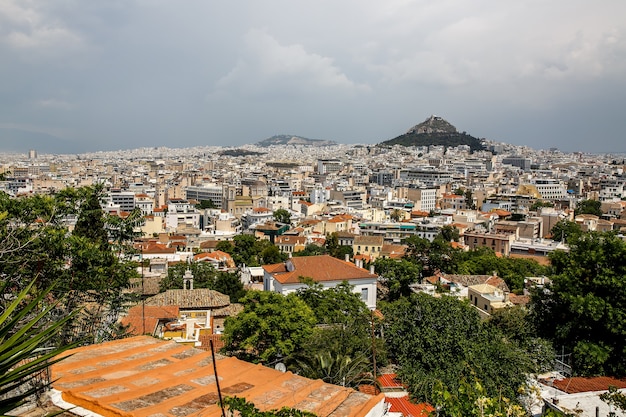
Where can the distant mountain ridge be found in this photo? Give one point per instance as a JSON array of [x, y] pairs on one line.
[[20, 141], [294, 140], [435, 131]]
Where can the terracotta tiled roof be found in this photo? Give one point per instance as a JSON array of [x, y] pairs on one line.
[[209, 244], [197, 298], [229, 310], [407, 408], [368, 240], [157, 248], [217, 256], [581, 384], [319, 268], [501, 213], [469, 280], [261, 210], [139, 315], [393, 251], [457, 245], [519, 300]]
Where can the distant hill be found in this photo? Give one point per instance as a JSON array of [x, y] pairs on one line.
[[435, 131], [294, 140], [20, 141], [239, 152]]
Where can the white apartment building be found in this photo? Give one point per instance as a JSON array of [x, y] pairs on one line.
[[205, 192], [549, 188]]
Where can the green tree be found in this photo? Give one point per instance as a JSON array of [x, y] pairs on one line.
[[341, 348], [396, 215], [564, 230], [272, 255], [203, 275], [436, 255], [443, 341], [483, 261], [270, 328], [225, 246], [245, 250], [471, 399], [588, 207], [334, 249], [206, 204], [517, 326], [240, 407], [396, 277], [450, 233], [282, 216], [539, 204], [584, 310], [124, 230], [311, 249], [337, 369], [35, 244], [333, 305], [91, 220], [614, 398], [230, 284]]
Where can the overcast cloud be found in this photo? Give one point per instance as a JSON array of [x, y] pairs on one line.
[[118, 74]]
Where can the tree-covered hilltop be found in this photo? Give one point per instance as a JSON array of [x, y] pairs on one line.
[[435, 131]]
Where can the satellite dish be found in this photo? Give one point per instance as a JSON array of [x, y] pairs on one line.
[[280, 367]]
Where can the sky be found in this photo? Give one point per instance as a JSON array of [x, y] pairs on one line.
[[80, 76]]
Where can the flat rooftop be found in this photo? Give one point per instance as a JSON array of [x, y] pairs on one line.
[[144, 376]]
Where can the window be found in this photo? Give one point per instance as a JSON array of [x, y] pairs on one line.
[[364, 294]]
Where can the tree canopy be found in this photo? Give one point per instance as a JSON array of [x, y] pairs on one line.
[[588, 207], [282, 216], [443, 341], [271, 327], [89, 268], [584, 309]]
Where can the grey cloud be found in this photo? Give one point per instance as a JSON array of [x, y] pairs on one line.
[[126, 73]]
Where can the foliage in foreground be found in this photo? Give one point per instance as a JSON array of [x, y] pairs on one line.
[[471, 399], [241, 407], [24, 331]]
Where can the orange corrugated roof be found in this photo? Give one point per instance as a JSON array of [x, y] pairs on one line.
[[143, 376], [407, 408], [389, 381], [582, 384]]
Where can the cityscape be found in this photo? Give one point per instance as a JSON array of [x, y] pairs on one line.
[[408, 208], [383, 222]]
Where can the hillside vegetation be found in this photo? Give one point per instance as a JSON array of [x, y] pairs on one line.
[[435, 131]]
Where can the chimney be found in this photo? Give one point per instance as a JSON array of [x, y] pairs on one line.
[[372, 269], [347, 257]]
